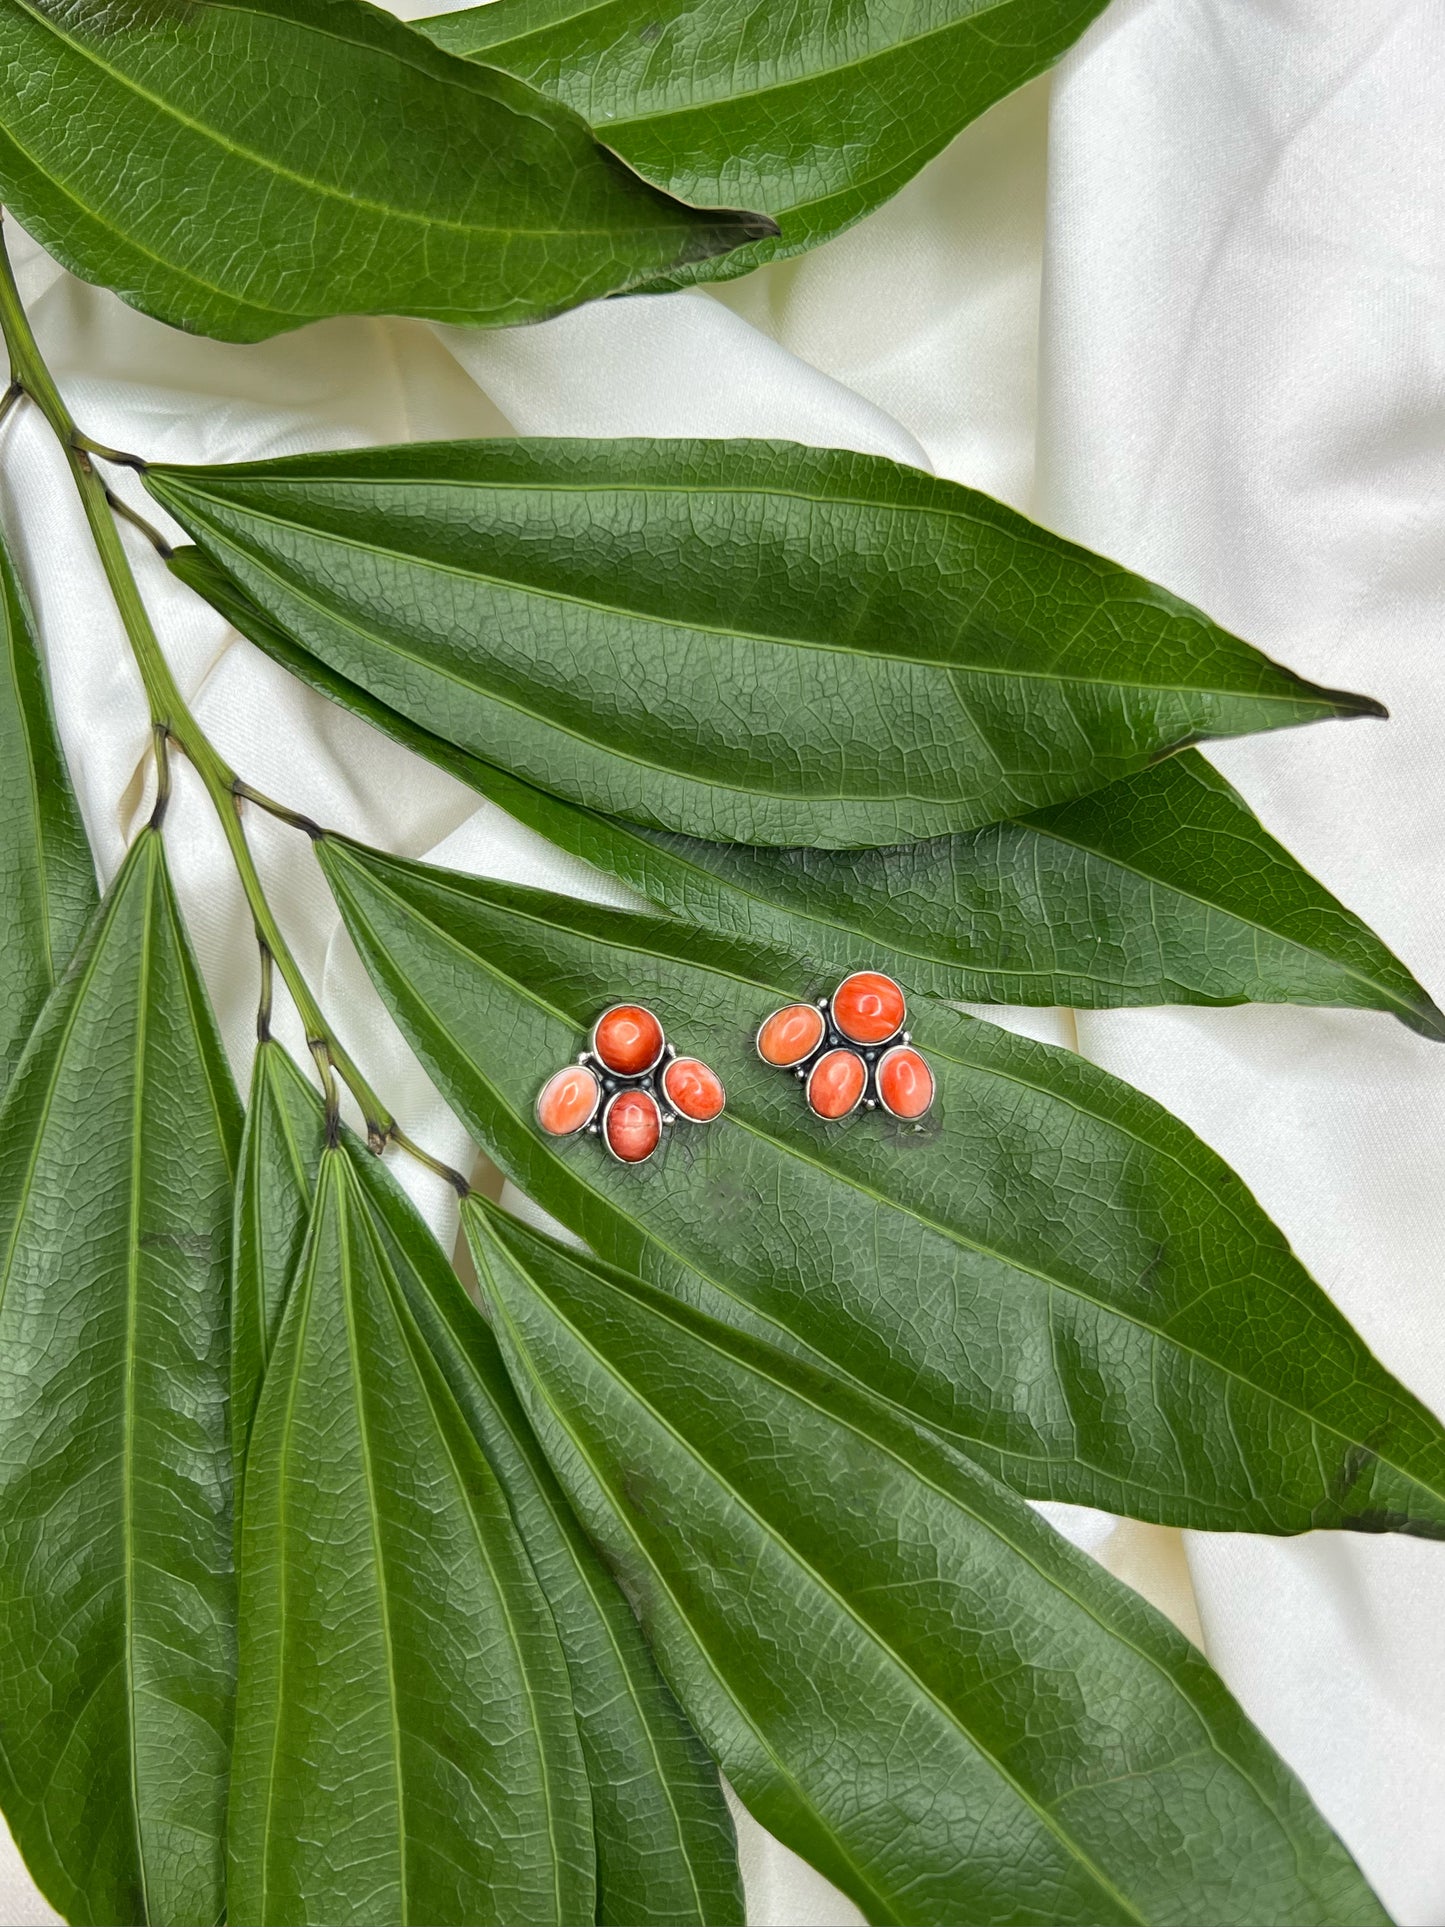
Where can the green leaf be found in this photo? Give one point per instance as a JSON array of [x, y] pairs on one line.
[[665, 1847], [664, 1838], [118, 1144], [1053, 1270], [405, 1747], [238, 170], [1164, 888], [47, 880], [908, 1676], [749, 641], [280, 1155], [816, 112]]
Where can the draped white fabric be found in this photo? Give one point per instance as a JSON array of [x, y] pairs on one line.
[[1185, 304]]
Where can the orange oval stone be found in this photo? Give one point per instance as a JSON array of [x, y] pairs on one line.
[[632, 1125], [905, 1083], [694, 1089], [836, 1082], [628, 1039], [790, 1035], [868, 1007], [568, 1101]]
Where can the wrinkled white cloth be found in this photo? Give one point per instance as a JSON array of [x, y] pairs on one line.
[[1185, 303]]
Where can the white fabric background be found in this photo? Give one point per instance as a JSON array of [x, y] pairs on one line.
[[1186, 303]]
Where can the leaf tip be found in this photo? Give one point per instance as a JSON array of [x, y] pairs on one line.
[[723, 230], [1424, 1017], [1348, 704]]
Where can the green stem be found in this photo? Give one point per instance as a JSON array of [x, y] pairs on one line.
[[152, 534], [169, 710]]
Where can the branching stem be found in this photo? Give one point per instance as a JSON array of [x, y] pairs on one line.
[[170, 713], [137, 521]]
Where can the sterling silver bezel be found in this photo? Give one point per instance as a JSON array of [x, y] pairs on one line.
[[798, 1003], [592, 1071], [875, 1044], [877, 1082], [863, 1089], [665, 1097], [628, 1003], [633, 1090]]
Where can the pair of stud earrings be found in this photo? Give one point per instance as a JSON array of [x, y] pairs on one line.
[[850, 1050]]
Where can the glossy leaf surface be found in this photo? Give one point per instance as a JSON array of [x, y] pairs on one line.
[[405, 1747], [1163, 889], [748, 641], [238, 170], [47, 880], [814, 111], [665, 1848], [907, 1675], [1052, 1268], [118, 1144], [280, 1154]]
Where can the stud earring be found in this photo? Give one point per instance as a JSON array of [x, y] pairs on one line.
[[628, 1086], [851, 1049]]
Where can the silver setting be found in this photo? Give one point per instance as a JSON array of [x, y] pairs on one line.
[[863, 1089], [607, 1070], [799, 1064], [626, 1091], [883, 1043], [588, 1123], [613, 1084], [904, 1044], [666, 1098], [870, 1098]]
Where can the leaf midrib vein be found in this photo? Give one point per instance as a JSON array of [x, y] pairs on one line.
[[435, 565], [1357, 973], [306, 1283], [542, 1481], [128, 1421], [446, 673], [778, 84], [886, 1912], [267, 165], [952, 1717], [667, 1314], [411, 1335], [348, 1287]]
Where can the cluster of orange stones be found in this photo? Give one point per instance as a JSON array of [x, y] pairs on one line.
[[631, 1075], [851, 1049]]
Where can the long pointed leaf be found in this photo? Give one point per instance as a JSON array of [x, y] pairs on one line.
[[817, 112], [1055, 1271], [238, 170], [665, 1847], [47, 879], [664, 1838], [905, 1673], [741, 640], [1164, 888], [405, 1748], [280, 1156], [118, 1144]]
